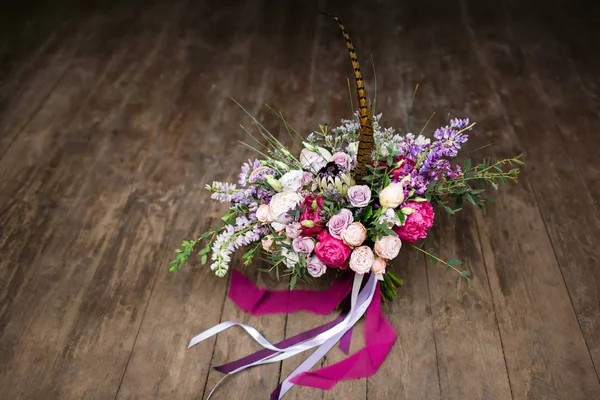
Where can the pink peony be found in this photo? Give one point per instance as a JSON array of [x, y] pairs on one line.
[[332, 251], [418, 223], [312, 214]]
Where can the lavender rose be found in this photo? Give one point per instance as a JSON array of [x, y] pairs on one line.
[[388, 247], [303, 244], [359, 195], [362, 259], [355, 234], [342, 159], [315, 267], [339, 222]]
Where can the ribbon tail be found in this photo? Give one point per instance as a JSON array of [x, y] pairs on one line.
[[380, 336], [345, 342]]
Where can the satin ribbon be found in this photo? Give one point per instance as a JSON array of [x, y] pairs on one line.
[[260, 301]]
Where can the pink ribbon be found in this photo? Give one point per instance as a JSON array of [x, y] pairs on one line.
[[380, 336], [244, 293]]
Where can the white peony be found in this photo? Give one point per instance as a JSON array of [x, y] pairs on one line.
[[280, 204]]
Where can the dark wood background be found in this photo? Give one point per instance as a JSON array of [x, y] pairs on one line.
[[113, 116]]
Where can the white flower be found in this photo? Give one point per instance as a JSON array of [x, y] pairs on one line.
[[291, 257], [292, 180], [392, 195], [388, 247], [312, 161], [361, 259], [422, 140], [281, 203], [390, 217]]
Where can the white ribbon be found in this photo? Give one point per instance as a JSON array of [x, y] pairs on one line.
[[360, 301]]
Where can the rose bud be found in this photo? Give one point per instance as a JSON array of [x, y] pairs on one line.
[[392, 196]]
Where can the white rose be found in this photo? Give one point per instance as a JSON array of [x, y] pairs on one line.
[[311, 160], [292, 180], [362, 259], [281, 203], [392, 195]]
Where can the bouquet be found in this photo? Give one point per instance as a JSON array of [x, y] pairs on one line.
[[346, 205]]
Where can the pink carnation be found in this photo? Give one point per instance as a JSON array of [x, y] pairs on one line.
[[418, 223]]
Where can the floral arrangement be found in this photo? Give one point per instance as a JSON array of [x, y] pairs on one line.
[[310, 216], [345, 204]]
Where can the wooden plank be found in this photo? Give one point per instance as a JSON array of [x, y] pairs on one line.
[[182, 373], [70, 303], [527, 285], [469, 350], [557, 87], [29, 82]]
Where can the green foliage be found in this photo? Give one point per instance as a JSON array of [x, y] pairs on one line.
[[187, 246], [450, 264], [472, 185]]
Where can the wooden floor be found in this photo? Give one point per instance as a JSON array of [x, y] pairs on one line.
[[114, 116]]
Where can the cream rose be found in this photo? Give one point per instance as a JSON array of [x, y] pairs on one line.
[[355, 234], [361, 259], [392, 195], [388, 247]]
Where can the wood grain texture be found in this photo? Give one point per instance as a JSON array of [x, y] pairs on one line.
[[113, 116]]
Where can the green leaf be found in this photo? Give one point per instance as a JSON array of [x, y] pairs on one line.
[[467, 164], [293, 280], [204, 259], [454, 262]]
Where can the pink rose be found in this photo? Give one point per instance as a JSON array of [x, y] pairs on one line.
[[315, 267], [362, 259], [332, 251], [304, 245], [418, 223], [312, 214], [378, 266], [355, 234], [388, 247], [263, 214], [359, 195], [342, 159], [338, 223]]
